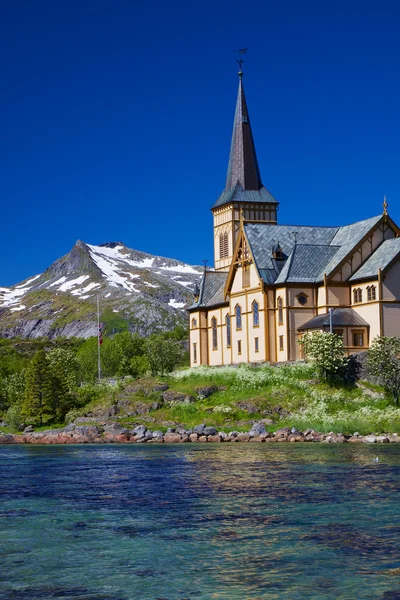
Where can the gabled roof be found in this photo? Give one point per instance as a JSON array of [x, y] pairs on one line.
[[347, 237], [311, 251], [341, 317], [211, 289], [380, 259]]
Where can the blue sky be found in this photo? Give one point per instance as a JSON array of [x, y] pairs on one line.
[[116, 118]]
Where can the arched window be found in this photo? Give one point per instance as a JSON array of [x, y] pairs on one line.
[[238, 313], [228, 330], [371, 293], [194, 323], [214, 333], [223, 245], [357, 295], [280, 310], [256, 316]]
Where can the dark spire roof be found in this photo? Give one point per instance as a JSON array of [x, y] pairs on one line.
[[243, 165], [243, 180]]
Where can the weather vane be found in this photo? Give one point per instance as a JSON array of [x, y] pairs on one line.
[[240, 61]]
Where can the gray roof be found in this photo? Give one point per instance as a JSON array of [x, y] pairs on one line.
[[304, 262], [238, 194], [347, 237], [341, 317], [310, 252], [211, 289], [379, 260]]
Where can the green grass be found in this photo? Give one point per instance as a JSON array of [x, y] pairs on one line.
[[294, 388]]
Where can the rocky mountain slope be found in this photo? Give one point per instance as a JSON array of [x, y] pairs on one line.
[[148, 292]]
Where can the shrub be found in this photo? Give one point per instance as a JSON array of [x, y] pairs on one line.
[[383, 362]]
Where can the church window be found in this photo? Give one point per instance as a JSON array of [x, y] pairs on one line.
[[256, 315], [280, 311], [245, 275], [228, 330], [302, 299], [223, 245], [194, 323], [195, 353], [357, 295], [371, 293], [214, 333], [238, 313], [358, 338], [239, 346], [256, 345], [281, 343]]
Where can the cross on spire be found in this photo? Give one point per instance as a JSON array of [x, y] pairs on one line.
[[240, 61]]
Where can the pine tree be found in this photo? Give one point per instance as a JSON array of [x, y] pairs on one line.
[[37, 403]]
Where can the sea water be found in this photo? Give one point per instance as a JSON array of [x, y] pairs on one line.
[[193, 521]]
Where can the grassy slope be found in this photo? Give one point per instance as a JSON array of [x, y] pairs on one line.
[[292, 388]]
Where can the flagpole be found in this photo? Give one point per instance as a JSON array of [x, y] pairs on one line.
[[98, 339]]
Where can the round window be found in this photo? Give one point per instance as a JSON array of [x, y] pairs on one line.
[[302, 298]]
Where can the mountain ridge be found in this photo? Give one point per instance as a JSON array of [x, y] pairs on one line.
[[146, 291]]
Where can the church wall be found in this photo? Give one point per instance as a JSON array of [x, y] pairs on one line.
[[271, 325], [391, 283], [214, 354], [282, 328], [371, 313], [256, 331], [198, 336], [321, 300], [297, 317], [363, 287], [391, 318], [223, 223], [237, 286], [239, 355], [338, 296]]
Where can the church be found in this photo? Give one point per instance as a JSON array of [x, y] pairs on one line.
[[271, 283]]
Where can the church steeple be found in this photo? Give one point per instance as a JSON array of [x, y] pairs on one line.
[[244, 193], [243, 166]]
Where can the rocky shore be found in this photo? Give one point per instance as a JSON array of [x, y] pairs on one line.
[[115, 433]]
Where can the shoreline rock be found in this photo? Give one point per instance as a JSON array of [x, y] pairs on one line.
[[111, 433]]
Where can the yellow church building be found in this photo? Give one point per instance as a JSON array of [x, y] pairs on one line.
[[271, 282]]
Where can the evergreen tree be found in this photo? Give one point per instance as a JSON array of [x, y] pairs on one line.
[[37, 403], [64, 381]]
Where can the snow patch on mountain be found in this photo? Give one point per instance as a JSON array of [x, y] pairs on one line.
[[65, 287], [181, 269], [176, 304]]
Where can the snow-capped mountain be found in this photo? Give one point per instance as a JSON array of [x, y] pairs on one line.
[[148, 292]]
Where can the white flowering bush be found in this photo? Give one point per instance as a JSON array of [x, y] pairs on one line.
[[326, 352]]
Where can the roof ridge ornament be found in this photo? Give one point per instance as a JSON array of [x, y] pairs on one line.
[[385, 206]]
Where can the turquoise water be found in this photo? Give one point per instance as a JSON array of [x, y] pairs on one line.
[[238, 521]]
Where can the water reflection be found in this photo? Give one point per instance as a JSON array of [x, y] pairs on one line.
[[214, 521]]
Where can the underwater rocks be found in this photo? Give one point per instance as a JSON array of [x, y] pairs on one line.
[[114, 433]]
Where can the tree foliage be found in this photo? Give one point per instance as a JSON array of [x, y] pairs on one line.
[[37, 403], [326, 352], [383, 362], [163, 355]]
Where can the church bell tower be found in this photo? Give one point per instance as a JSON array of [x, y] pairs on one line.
[[244, 192]]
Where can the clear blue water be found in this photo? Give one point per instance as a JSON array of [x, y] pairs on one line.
[[237, 521]]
